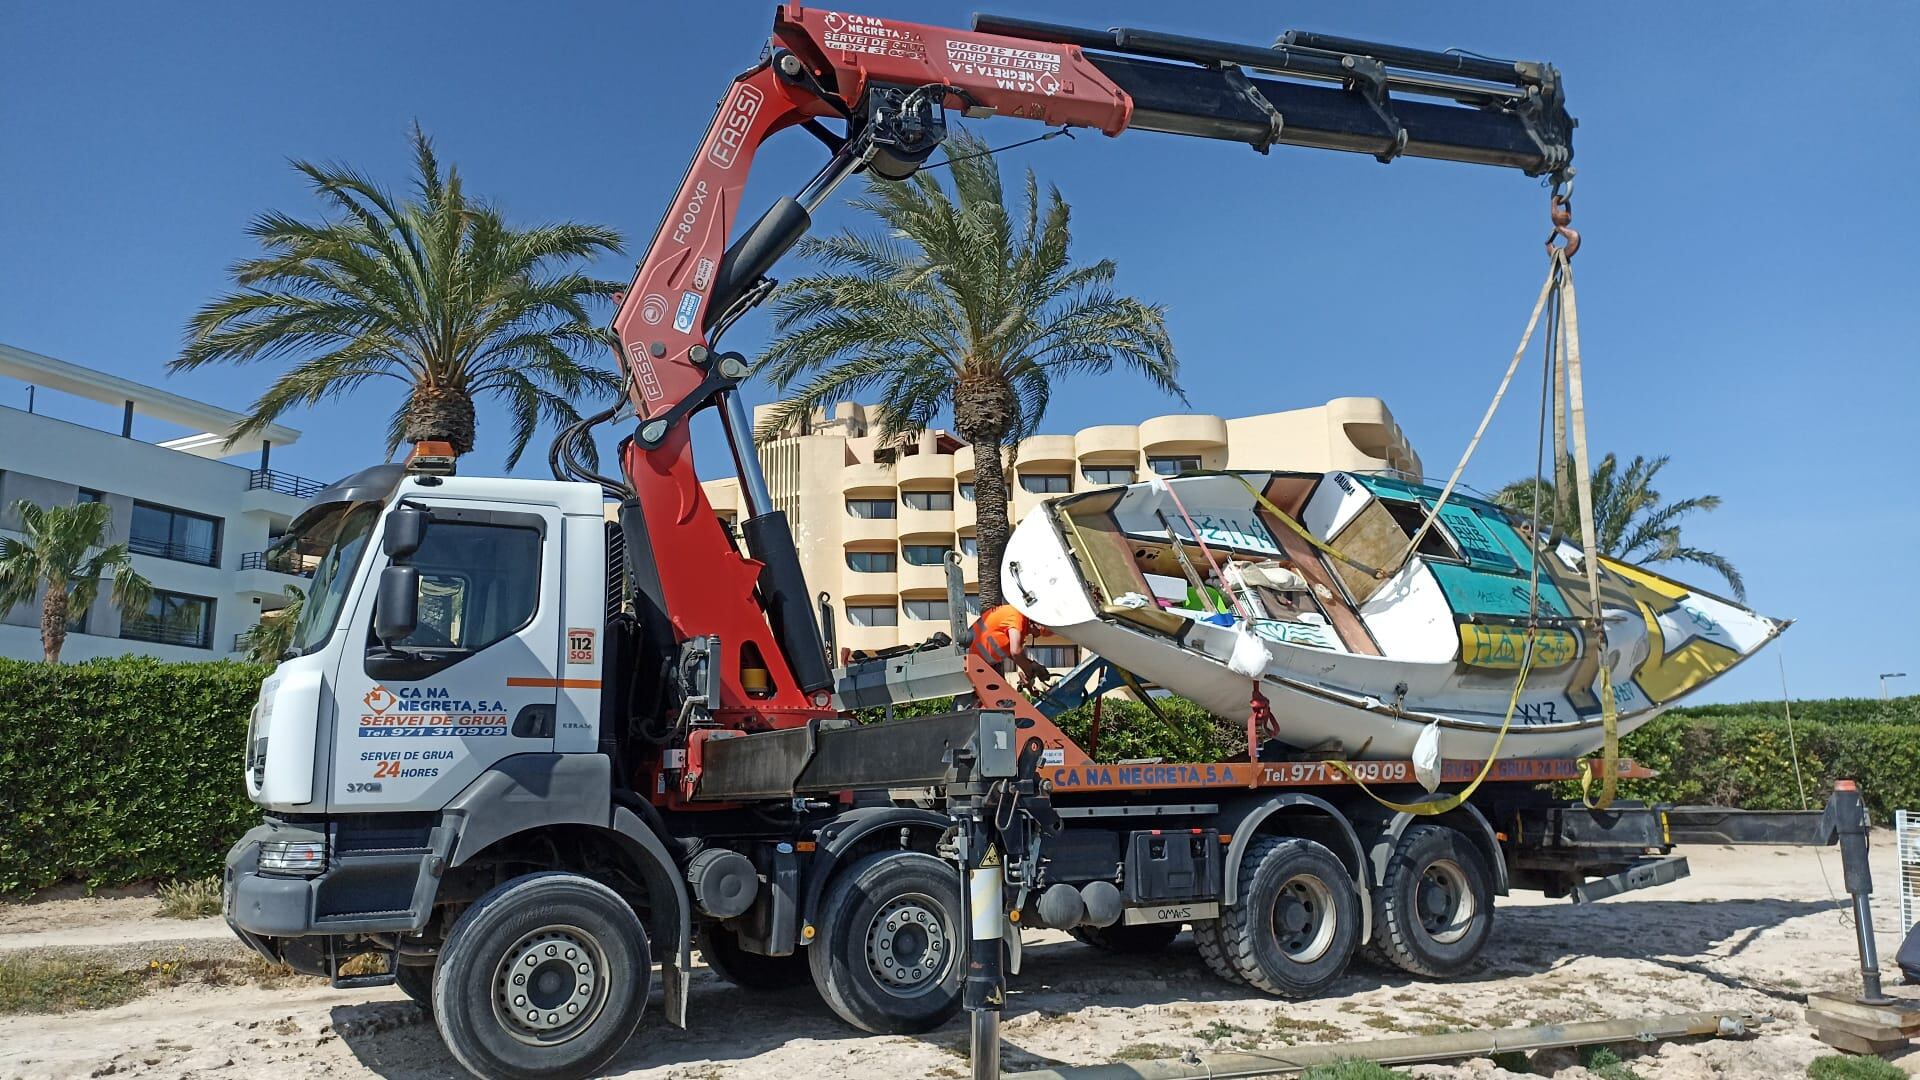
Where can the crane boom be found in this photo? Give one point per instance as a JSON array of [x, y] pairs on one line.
[[889, 84]]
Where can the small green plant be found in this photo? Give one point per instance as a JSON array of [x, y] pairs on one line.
[[38, 984], [195, 899], [1306, 1029], [1602, 1062], [1145, 1051], [1220, 1031], [1852, 1067], [1354, 1070]]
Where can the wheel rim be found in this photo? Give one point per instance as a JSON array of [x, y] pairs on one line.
[[1445, 901], [1304, 919], [551, 985], [909, 945]]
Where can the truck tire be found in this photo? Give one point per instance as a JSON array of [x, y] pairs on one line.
[[1433, 912], [545, 976], [1213, 951], [1128, 940], [416, 981], [1298, 919], [886, 959], [721, 949]]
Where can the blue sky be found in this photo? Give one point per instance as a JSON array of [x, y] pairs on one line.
[[1746, 191]]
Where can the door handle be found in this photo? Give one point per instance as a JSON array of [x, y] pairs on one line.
[[534, 722]]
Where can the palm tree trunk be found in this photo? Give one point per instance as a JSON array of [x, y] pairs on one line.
[[53, 623], [441, 414], [984, 409]]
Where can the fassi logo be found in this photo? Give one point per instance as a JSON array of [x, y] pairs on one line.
[[741, 109]]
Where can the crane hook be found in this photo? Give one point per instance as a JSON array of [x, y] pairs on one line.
[[1561, 211]]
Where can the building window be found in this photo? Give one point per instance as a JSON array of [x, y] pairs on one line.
[[927, 500], [870, 508], [970, 546], [479, 584], [1046, 483], [1055, 656], [926, 610], [175, 534], [925, 554], [1108, 474], [872, 615], [88, 495], [870, 562], [172, 619], [966, 490], [1172, 466]]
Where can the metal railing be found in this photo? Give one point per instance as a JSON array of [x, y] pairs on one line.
[[280, 562], [163, 633], [169, 549], [285, 483]]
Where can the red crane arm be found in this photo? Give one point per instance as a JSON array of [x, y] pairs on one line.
[[740, 623]]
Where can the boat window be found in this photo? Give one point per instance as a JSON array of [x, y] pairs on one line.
[[1436, 544]]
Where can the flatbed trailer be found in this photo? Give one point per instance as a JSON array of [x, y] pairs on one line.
[[1287, 869]]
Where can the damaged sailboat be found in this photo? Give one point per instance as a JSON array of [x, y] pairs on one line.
[[1366, 644]]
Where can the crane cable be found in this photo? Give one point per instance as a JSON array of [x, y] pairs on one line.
[[1565, 394]]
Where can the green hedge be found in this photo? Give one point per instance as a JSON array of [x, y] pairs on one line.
[[1741, 755], [118, 771]]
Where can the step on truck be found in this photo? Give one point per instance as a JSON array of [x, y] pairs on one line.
[[521, 754]]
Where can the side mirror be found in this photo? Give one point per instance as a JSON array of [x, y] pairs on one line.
[[396, 610], [406, 527]]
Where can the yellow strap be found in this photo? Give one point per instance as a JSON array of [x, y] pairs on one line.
[[1301, 530], [1583, 487], [1453, 802]]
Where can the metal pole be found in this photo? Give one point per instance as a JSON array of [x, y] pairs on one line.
[[986, 986], [746, 460], [1851, 813]]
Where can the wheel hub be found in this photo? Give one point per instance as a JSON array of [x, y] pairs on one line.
[[1444, 901], [908, 949], [550, 985], [1304, 918]]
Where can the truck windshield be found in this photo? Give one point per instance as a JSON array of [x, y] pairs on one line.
[[338, 535]]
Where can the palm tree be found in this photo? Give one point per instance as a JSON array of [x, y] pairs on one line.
[[271, 636], [436, 291], [54, 556], [1630, 521], [957, 302]]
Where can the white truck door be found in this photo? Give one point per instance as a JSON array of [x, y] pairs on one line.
[[476, 681]]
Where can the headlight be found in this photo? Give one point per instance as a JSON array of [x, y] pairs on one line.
[[305, 857]]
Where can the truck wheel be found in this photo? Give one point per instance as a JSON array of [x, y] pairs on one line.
[[721, 949], [1129, 940], [416, 981], [1213, 950], [545, 976], [1297, 921], [890, 929], [1433, 911]]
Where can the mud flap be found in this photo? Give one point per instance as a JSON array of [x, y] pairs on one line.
[[675, 975]]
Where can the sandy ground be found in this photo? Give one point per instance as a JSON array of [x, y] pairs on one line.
[[1753, 930]]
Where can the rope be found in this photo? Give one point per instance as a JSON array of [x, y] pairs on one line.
[[1453, 802], [1548, 287], [1301, 531]]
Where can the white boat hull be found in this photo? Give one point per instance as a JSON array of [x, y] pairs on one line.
[[1377, 706]]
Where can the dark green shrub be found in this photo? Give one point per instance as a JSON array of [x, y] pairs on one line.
[[117, 771]]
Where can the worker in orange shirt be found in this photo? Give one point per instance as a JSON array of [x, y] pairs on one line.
[[1001, 635]]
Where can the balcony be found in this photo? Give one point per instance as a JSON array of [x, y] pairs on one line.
[[280, 562], [162, 632], [1182, 433], [930, 578], [930, 470], [176, 550], [285, 483], [928, 523]]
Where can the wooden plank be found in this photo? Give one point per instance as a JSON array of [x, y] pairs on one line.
[[1854, 1044], [1902, 1015], [1855, 1026]]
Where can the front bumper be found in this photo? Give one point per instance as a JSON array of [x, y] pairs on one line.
[[365, 889]]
